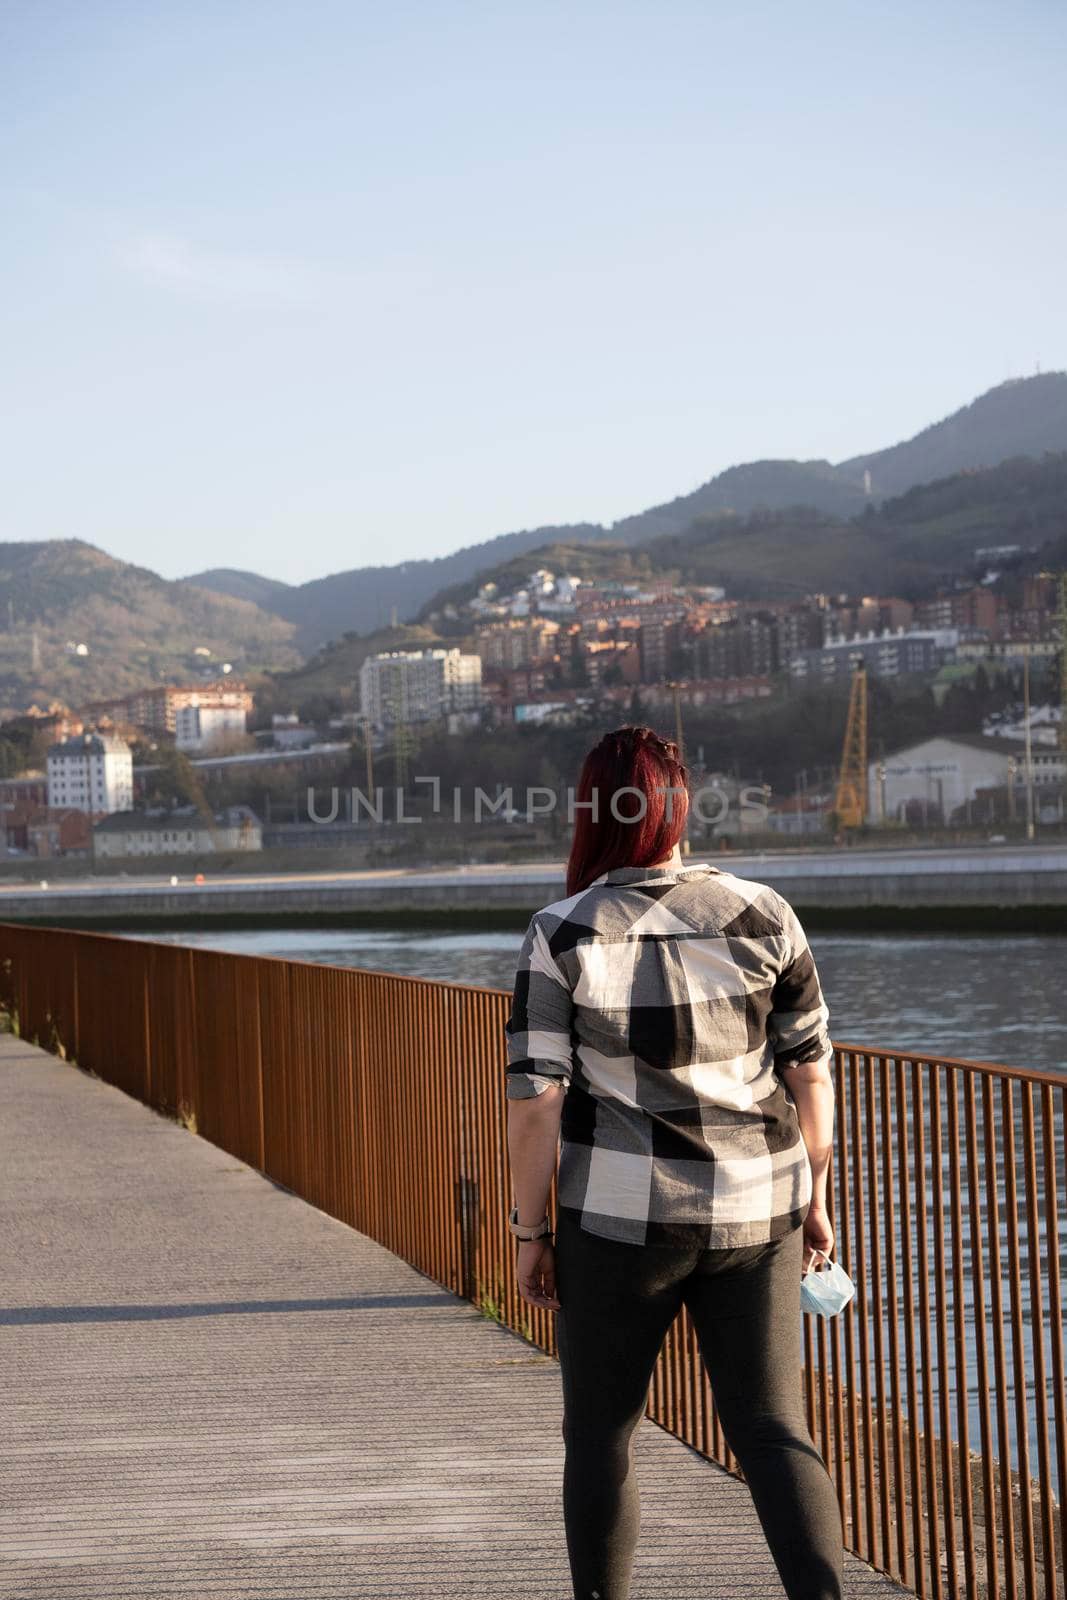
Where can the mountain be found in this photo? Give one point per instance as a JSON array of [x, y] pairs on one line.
[[267, 593], [79, 625], [739, 491], [1024, 417], [908, 546], [364, 599]]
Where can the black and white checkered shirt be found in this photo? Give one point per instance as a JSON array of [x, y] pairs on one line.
[[669, 1001]]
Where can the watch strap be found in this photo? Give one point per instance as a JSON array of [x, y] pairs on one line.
[[526, 1234]]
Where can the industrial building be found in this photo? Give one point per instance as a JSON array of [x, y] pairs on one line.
[[932, 779]]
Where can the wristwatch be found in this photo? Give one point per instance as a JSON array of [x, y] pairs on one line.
[[526, 1234]]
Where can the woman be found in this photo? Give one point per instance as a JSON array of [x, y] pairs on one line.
[[668, 1020]]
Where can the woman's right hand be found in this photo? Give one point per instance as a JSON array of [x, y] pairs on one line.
[[536, 1272], [818, 1234]]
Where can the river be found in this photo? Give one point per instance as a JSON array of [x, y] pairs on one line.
[[984, 997]]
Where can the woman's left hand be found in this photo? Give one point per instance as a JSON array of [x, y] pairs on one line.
[[536, 1272]]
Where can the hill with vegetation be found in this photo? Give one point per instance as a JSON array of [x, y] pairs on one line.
[[908, 547], [1025, 417], [329, 682], [366, 598], [78, 625]]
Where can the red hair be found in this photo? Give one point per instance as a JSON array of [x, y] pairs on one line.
[[636, 822]]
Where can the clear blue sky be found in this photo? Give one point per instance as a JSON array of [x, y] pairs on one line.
[[301, 285]]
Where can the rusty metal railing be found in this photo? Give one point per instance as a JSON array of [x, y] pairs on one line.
[[937, 1399]]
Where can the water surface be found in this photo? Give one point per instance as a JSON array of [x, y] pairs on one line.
[[984, 997]]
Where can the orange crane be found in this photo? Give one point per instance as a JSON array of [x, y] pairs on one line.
[[850, 802]]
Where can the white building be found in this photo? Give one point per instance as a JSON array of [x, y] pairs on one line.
[[177, 833], [564, 596], [419, 685], [204, 725], [936, 776], [92, 772], [1044, 725]]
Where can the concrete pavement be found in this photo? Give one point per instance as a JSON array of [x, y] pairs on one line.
[[212, 1390]]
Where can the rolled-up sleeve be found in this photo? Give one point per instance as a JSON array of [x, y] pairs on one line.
[[539, 1027], [798, 1024]]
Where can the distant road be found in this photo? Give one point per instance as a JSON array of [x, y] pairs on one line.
[[994, 876]]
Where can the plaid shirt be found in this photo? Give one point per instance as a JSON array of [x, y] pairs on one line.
[[670, 1001]]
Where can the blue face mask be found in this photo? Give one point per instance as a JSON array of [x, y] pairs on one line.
[[826, 1291]]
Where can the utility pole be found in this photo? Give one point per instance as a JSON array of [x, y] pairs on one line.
[[1027, 747], [1061, 618], [676, 692], [368, 754]]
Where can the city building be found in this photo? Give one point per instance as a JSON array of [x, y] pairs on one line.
[[660, 639], [289, 733], [318, 763], [869, 614], [175, 833], [419, 685], [931, 779], [27, 787], [976, 608], [155, 710], [564, 596], [799, 815], [742, 647], [799, 627], [92, 773], [885, 655], [1015, 650], [611, 661], [697, 692], [30, 828], [207, 725], [519, 642]]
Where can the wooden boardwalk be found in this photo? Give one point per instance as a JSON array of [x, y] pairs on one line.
[[211, 1390]]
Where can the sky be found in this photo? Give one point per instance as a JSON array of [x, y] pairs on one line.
[[303, 285]]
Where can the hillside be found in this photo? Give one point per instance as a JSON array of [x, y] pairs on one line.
[[365, 598], [79, 625], [1025, 417], [136, 628], [906, 547], [331, 677]]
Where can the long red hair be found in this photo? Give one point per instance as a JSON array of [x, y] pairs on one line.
[[634, 768]]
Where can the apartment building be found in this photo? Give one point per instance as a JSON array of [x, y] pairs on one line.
[[966, 608], [611, 661], [156, 710], [885, 655], [745, 647], [419, 685], [92, 773], [519, 642], [206, 724]]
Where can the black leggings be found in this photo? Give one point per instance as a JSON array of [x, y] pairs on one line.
[[617, 1302]]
